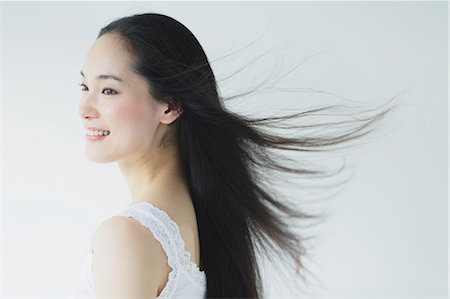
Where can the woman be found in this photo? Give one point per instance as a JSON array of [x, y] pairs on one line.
[[200, 213]]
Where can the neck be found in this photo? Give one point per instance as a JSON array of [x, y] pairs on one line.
[[156, 177]]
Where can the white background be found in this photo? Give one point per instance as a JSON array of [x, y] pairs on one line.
[[387, 234]]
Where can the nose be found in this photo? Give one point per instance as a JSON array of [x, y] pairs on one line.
[[87, 108]]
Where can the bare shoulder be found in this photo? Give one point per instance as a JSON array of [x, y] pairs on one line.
[[127, 259]]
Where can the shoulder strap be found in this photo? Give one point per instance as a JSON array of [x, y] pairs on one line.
[[167, 232], [161, 228], [158, 225]]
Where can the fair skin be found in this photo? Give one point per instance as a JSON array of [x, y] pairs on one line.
[[137, 124]]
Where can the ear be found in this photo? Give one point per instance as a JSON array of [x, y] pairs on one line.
[[171, 111]]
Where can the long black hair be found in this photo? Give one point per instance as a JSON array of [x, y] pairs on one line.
[[226, 157]]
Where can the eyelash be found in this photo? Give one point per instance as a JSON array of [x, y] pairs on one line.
[[81, 84]]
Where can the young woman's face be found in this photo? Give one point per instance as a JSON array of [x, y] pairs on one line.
[[124, 108]]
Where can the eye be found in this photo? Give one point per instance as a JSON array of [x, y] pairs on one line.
[[109, 93], [81, 84], [114, 92]]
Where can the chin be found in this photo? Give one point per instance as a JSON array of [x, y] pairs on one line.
[[98, 157]]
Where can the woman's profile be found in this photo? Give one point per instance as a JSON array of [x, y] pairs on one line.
[[202, 209]]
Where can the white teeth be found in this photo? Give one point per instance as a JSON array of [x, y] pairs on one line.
[[97, 133]]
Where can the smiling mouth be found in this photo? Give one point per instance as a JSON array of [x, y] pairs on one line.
[[97, 133]]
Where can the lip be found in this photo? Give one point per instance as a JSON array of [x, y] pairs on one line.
[[95, 138], [95, 129]]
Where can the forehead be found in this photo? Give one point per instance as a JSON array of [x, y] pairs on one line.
[[107, 55]]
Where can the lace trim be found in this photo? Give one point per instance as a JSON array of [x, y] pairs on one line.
[[167, 232], [89, 281]]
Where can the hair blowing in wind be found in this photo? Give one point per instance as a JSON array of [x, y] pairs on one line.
[[227, 158]]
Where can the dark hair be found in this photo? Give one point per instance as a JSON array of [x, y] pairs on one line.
[[226, 157]]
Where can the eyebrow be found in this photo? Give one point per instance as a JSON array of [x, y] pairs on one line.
[[106, 77]]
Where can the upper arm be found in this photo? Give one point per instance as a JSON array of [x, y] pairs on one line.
[[127, 260]]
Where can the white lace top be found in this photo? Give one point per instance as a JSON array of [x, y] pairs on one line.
[[185, 279]]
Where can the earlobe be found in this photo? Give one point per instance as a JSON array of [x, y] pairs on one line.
[[173, 112]]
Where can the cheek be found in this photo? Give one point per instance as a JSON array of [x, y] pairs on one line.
[[133, 123]]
